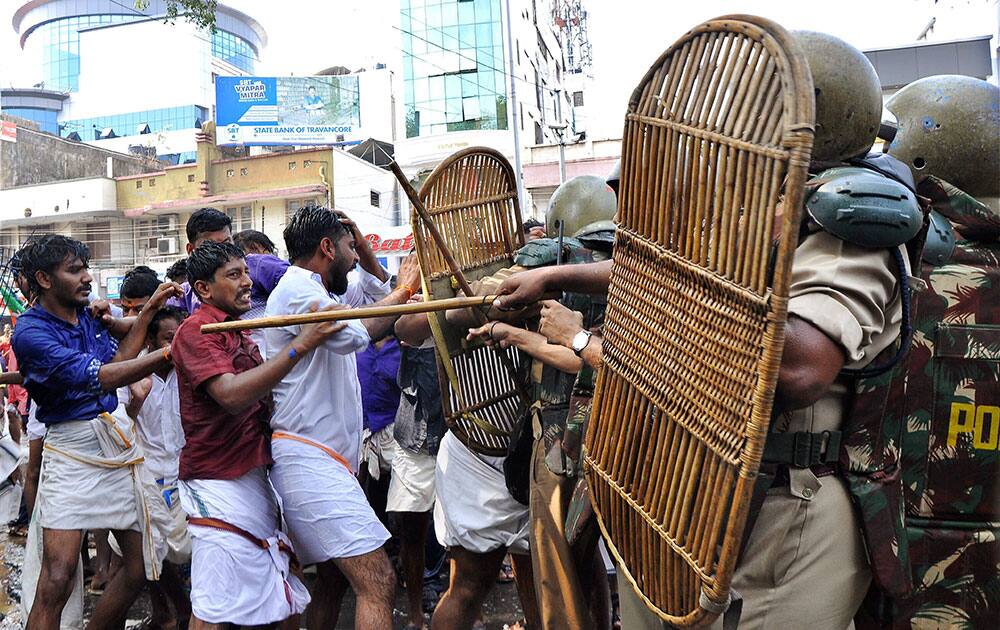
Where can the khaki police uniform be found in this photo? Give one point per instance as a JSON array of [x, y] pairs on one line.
[[804, 565]]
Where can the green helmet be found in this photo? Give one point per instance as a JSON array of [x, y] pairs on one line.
[[864, 207], [579, 202], [614, 177], [949, 127], [848, 97], [599, 235]]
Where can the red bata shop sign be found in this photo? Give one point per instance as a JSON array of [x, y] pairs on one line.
[[388, 244]]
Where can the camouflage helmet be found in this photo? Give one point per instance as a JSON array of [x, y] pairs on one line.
[[848, 97], [579, 202], [949, 127]]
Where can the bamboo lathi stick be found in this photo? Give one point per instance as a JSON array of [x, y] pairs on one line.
[[11, 378], [351, 313]]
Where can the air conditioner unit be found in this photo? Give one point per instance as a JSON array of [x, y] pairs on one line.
[[166, 223], [165, 246]]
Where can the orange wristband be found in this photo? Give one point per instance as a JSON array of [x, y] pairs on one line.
[[166, 355], [409, 290]]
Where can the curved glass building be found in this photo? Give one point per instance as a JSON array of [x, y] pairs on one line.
[[67, 41], [49, 31]]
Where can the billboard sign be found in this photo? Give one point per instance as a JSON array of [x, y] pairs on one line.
[[8, 131], [253, 111]]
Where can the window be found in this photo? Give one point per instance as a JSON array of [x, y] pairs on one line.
[[295, 204], [577, 99], [375, 198], [242, 218], [190, 178], [152, 183], [138, 183], [291, 166], [243, 172], [230, 172], [97, 237], [539, 136]]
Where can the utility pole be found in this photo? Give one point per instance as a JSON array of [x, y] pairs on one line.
[[560, 131], [513, 106]]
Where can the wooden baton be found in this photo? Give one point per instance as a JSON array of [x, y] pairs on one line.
[[11, 378], [350, 313]]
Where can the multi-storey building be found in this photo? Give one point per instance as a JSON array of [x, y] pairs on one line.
[[102, 73], [457, 64]]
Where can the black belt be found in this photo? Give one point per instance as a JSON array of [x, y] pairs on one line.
[[781, 476], [802, 449]]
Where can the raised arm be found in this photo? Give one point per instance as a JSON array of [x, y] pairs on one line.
[[526, 287], [135, 339], [408, 282]]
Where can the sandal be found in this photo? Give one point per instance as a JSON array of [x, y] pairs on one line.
[[18, 531], [506, 573]]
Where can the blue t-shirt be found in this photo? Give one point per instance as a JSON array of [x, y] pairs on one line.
[[377, 370], [60, 362]]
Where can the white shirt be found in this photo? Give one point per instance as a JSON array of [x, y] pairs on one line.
[[320, 399], [159, 425], [35, 429]]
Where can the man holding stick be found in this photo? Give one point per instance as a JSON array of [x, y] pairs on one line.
[[317, 421], [241, 561]]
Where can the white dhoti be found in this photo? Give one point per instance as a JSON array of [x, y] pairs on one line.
[[92, 478], [233, 578], [474, 509], [175, 533], [411, 487], [72, 613], [327, 513]]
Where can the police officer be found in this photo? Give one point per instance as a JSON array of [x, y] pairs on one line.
[[570, 581], [804, 564]]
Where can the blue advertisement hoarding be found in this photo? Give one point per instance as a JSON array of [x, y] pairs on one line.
[[286, 110]]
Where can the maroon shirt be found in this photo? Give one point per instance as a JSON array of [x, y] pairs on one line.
[[218, 445]]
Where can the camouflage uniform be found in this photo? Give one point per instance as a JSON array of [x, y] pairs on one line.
[[562, 403], [944, 405]]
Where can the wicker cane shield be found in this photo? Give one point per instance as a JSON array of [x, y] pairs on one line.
[[472, 199], [718, 132]]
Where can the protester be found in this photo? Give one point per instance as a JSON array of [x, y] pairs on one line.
[[71, 365], [317, 421], [242, 563], [154, 404]]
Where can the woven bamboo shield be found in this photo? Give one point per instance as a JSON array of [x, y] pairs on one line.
[[472, 199], [717, 139]]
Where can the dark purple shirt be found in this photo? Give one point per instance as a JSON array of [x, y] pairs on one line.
[[377, 370], [265, 271]]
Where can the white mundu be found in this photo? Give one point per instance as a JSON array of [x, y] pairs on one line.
[[317, 424], [474, 509], [223, 589]]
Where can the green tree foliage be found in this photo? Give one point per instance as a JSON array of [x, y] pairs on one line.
[[201, 13]]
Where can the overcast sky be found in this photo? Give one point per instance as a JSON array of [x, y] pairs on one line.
[[627, 35]]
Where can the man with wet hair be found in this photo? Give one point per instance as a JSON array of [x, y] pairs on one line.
[[205, 224], [317, 420], [137, 287], [71, 366], [254, 242]]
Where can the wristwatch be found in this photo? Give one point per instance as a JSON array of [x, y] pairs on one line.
[[580, 341]]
